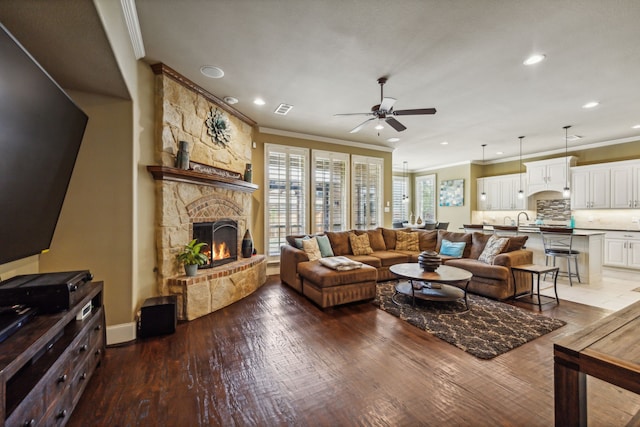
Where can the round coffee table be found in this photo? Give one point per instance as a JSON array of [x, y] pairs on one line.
[[431, 285]]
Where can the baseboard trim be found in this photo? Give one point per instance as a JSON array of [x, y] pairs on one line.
[[118, 334]]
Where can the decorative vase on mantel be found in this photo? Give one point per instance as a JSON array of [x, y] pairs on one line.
[[182, 158], [247, 245]]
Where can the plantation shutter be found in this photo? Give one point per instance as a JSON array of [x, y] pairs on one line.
[[329, 178], [400, 203], [286, 172], [367, 192]]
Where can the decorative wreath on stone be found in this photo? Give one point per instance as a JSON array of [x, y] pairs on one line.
[[218, 127]]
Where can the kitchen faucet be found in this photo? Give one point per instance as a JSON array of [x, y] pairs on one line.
[[525, 214], [504, 221]]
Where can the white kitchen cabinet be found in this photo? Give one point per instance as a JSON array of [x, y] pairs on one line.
[[501, 193], [622, 249], [590, 187], [548, 175], [625, 185]]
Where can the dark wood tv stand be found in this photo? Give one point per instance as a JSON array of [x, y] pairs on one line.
[[45, 366]]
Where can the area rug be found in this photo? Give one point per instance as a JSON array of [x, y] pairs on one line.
[[489, 328]]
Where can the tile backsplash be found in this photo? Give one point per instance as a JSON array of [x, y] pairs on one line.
[[553, 210]]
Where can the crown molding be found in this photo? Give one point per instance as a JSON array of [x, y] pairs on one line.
[[272, 131], [562, 150], [133, 25]]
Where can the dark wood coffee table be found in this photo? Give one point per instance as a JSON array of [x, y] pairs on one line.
[[431, 286]]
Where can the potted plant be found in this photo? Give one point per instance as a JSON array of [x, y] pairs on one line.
[[191, 257]]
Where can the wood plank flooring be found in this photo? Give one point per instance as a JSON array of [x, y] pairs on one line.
[[275, 359]]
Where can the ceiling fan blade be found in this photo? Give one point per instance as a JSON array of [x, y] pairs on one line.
[[357, 128], [354, 114], [387, 104], [395, 124], [414, 112]]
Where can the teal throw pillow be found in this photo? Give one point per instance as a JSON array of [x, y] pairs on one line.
[[299, 240], [325, 246], [452, 249]]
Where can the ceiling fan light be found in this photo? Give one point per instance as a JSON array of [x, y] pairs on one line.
[[379, 127]]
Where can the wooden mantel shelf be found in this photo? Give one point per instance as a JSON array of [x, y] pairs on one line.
[[167, 173]]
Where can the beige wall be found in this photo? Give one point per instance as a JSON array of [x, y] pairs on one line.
[[94, 230], [258, 174], [459, 215]]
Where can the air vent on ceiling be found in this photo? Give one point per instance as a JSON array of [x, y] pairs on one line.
[[283, 109], [572, 138]]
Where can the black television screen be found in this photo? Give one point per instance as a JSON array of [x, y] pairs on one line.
[[41, 129]]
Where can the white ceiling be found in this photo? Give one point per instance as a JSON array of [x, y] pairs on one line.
[[463, 57]]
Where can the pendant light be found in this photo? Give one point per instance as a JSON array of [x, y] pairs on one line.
[[483, 195], [520, 192], [566, 191], [405, 171]]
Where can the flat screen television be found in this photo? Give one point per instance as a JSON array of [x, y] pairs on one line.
[[41, 129]]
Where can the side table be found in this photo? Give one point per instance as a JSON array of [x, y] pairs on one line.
[[537, 270]]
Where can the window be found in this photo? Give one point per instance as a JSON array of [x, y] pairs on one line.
[[329, 178], [426, 197], [367, 192], [286, 172], [400, 198]]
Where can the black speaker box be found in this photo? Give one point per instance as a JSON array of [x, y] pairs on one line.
[[158, 316]]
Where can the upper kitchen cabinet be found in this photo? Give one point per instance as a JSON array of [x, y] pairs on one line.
[[625, 184], [502, 193], [590, 187], [548, 175]]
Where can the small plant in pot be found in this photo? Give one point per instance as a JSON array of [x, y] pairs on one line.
[[191, 257]]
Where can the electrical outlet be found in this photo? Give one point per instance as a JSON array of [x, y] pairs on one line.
[[634, 219]]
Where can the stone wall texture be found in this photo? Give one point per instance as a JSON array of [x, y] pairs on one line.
[[181, 115]]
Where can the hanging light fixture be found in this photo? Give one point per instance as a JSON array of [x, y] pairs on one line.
[[566, 191], [520, 192], [483, 195], [405, 170]]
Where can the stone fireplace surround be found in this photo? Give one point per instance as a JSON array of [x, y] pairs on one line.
[[184, 197]]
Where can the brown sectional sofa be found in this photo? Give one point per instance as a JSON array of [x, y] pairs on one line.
[[329, 287]]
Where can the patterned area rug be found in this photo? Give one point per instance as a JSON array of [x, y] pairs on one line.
[[489, 328]]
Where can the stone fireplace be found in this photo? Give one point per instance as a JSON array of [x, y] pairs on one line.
[[196, 204]]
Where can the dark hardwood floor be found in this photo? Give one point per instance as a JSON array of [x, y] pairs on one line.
[[276, 359]]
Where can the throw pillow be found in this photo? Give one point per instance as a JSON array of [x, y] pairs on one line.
[[298, 241], [310, 246], [407, 241], [494, 246], [452, 249], [360, 244], [325, 246]]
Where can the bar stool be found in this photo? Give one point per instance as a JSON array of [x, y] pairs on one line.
[[558, 243], [470, 228], [505, 230]]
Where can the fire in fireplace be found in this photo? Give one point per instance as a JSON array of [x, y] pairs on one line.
[[221, 238]]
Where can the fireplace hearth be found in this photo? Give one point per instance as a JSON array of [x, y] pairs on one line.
[[221, 238]]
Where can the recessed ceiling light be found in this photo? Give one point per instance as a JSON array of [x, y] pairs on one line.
[[499, 152], [635, 127], [230, 100], [591, 104], [572, 138], [444, 143], [393, 139], [211, 71], [259, 101], [534, 59]]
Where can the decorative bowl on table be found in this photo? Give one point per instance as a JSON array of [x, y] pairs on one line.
[[429, 260]]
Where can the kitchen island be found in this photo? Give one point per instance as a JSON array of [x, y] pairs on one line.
[[590, 244]]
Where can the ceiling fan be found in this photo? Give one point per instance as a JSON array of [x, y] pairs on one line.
[[385, 111]]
